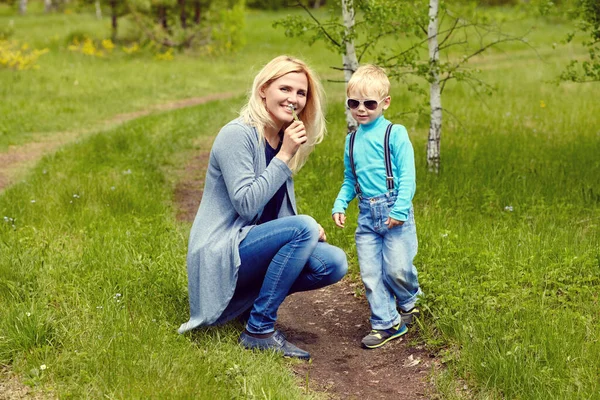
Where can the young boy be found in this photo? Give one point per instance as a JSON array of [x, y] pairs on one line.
[[380, 171]]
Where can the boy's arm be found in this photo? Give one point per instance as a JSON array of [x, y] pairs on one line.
[[347, 191], [404, 173]]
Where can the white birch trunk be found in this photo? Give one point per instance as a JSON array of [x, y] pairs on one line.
[[98, 9], [47, 6], [435, 95], [349, 57], [22, 6]]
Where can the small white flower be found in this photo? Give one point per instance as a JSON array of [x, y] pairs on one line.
[[508, 208], [43, 367], [32, 201], [444, 235], [112, 188], [118, 295], [76, 196], [127, 172], [44, 172], [99, 307], [28, 314]]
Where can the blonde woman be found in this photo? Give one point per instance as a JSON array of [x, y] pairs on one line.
[[248, 248]]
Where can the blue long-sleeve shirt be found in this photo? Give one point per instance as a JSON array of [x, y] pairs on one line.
[[369, 163]]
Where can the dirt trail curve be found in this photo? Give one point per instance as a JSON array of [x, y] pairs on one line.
[[329, 323], [18, 158]]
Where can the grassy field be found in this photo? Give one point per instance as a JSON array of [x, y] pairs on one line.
[[92, 276]]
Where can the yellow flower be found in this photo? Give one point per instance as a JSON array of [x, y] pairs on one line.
[[542, 104], [166, 56], [108, 45], [134, 48]]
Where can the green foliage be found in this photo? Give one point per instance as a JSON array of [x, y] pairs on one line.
[[587, 70], [6, 31]]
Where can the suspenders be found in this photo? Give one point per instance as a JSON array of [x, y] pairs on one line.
[[389, 179]]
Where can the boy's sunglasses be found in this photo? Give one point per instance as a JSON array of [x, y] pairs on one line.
[[353, 104]]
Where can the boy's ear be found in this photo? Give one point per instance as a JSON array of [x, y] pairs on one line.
[[386, 102]]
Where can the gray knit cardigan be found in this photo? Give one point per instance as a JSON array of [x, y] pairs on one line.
[[238, 186]]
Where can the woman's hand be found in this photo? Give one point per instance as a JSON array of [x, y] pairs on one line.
[[322, 235], [293, 137], [391, 222], [339, 219]]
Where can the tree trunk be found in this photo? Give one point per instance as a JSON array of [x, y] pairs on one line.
[[349, 57], [182, 14], [113, 18], [435, 94], [47, 6], [22, 7], [162, 17], [98, 9], [197, 12]]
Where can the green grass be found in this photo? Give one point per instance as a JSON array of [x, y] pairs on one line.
[[509, 231], [93, 275]]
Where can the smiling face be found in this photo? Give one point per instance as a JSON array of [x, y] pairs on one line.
[[289, 89], [363, 114]]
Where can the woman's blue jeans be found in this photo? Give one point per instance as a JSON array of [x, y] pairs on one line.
[[285, 256], [385, 257]]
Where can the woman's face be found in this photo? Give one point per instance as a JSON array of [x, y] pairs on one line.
[[289, 89]]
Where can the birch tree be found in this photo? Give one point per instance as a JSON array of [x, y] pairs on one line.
[[349, 60], [435, 93], [22, 7], [391, 19]]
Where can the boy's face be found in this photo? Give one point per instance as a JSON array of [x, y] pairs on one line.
[[366, 109]]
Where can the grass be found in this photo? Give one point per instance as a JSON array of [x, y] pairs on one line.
[[93, 275], [92, 283]]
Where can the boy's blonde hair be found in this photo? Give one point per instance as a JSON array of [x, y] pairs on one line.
[[312, 115], [369, 80]]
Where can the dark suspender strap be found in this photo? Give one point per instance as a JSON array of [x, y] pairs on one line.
[[389, 179], [351, 155]]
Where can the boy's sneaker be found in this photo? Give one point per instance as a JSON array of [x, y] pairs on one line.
[[379, 337], [409, 316]]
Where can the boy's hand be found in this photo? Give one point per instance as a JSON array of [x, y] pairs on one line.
[[339, 219], [391, 222], [322, 235]]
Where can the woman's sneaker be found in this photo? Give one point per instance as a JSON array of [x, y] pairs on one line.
[[379, 337]]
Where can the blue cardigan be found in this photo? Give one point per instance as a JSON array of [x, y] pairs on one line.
[[238, 186]]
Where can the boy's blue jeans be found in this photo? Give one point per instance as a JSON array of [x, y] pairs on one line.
[[385, 257], [285, 256]]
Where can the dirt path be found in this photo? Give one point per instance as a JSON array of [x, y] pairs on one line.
[[329, 323], [19, 158]]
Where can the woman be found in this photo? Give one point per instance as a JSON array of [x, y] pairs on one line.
[[248, 248]]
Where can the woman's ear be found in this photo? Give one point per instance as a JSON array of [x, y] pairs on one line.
[[261, 92]]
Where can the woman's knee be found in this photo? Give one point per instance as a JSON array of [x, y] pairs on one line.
[[306, 224], [339, 263]]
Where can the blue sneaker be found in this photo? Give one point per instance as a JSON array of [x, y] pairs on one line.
[[379, 337], [275, 342]]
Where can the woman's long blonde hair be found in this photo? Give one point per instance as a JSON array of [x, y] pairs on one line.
[[255, 112]]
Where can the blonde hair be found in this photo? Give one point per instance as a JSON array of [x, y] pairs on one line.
[[312, 115], [369, 79]]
